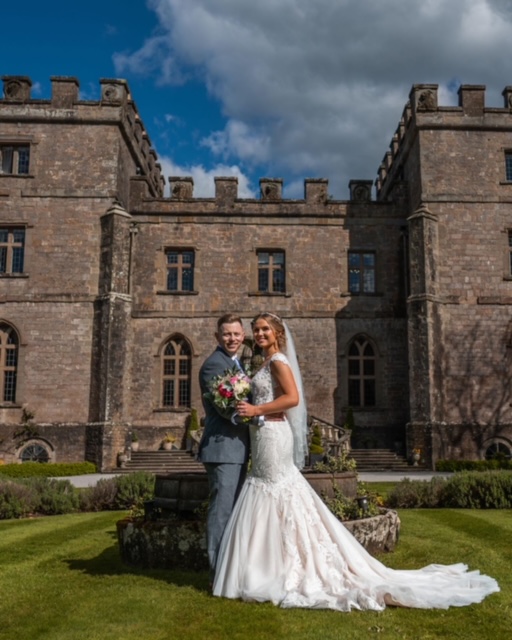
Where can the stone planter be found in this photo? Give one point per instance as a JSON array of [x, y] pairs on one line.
[[167, 446], [134, 446], [181, 543], [346, 481]]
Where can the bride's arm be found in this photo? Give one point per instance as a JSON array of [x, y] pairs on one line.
[[289, 397]]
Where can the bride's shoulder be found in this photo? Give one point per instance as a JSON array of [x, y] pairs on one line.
[[279, 357]]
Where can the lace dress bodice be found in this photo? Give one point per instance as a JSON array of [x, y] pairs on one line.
[[271, 443]]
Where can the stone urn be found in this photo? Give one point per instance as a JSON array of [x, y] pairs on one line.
[[122, 459]]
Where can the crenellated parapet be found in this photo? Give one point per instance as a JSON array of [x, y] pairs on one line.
[[115, 106], [316, 191], [423, 112]]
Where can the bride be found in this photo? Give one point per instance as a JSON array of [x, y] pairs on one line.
[[282, 544]]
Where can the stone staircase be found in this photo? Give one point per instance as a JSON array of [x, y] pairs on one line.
[[181, 461], [380, 460], [174, 461]]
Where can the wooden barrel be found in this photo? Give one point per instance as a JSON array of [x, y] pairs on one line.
[[180, 493]]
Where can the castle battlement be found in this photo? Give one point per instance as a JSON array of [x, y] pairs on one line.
[[115, 106], [422, 112]]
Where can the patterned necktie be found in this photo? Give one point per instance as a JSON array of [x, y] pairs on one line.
[[238, 364]]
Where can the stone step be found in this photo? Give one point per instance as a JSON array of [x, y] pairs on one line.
[[174, 461], [379, 460]]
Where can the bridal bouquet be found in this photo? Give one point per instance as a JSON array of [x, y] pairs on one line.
[[229, 388]]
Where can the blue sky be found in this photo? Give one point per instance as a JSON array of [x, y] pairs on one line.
[[274, 88]]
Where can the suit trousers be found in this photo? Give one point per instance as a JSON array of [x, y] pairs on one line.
[[225, 482]]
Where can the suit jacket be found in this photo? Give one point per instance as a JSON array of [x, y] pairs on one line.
[[222, 441]]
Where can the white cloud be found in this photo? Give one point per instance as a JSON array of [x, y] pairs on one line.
[[240, 140], [317, 88], [204, 184]]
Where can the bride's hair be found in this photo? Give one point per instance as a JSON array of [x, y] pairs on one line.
[[277, 325]]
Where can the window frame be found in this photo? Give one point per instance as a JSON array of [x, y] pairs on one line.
[[181, 267], [16, 161], [362, 377], [8, 249], [271, 271], [8, 364], [508, 165], [362, 269], [179, 381]]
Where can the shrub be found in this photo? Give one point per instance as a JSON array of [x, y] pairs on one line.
[[16, 500], [481, 490], [316, 447], [54, 497], [348, 509], [349, 420], [465, 490], [133, 489], [335, 464], [100, 497], [47, 470], [193, 424], [412, 494]]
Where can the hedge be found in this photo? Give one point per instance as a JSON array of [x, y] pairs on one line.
[[464, 490], [46, 470], [473, 465]]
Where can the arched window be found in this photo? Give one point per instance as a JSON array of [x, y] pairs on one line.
[[8, 362], [34, 452], [498, 451], [176, 365], [361, 373]]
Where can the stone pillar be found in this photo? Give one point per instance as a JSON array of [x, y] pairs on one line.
[[182, 188], [424, 328], [360, 190], [226, 190], [64, 92], [423, 97], [114, 91], [316, 190], [271, 188], [17, 88], [110, 361], [472, 99]]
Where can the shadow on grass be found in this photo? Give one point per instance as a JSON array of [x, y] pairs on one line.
[[109, 563]]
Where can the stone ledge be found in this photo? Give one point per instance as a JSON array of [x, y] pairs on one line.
[[181, 544]]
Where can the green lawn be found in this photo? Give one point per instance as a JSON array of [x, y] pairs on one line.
[[61, 579]]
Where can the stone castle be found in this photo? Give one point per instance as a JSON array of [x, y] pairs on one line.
[[109, 292]]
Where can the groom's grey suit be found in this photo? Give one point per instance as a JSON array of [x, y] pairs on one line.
[[224, 451]]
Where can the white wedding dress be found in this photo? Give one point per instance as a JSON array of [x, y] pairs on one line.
[[282, 544]]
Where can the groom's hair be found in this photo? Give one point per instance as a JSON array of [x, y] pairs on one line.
[[228, 318]]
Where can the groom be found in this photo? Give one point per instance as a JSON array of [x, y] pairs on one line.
[[224, 447]]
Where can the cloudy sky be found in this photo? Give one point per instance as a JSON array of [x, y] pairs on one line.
[[266, 88]]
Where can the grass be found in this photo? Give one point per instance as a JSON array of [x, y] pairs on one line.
[[61, 579]]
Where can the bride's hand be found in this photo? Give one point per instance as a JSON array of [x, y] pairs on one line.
[[245, 409]]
